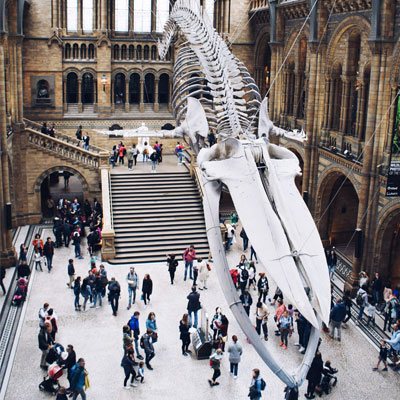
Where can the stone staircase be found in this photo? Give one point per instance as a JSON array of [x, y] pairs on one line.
[[156, 214]]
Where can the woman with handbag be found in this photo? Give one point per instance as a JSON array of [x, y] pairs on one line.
[[185, 334], [172, 265], [223, 331], [215, 363], [152, 324]]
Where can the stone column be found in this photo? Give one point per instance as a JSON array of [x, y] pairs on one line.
[[95, 95], [328, 88], [141, 104], [153, 16], [20, 79], [296, 97], [156, 104], [171, 88], [80, 13], [65, 104], [80, 105], [127, 95], [360, 110], [7, 251], [344, 114], [331, 110], [104, 15], [285, 91], [112, 96]]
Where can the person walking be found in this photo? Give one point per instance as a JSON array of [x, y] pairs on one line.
[[135, 153], [79, 380], [133, 283], [69, 362], [189, 256], [172, 265], [147, 289], [383, 353], [86, 140], [262, 314], [245, 239], [362, 301], [286, 324], [151, 323], [134, 325], [48, 251], [45, 342], [203, 269], [51, 316], [22, 253], [114, 291], [223, 331], [332, 261], [179, 152], [77, 292], [121, 153], [76, 240], [193, 306], [348, 303], [263, 287], [147, 344], [314, 375], [98, 290], [235, 352], [230, 234], [215, 362], [85, 290], [253, 253], [394, 343], [246, 300], [257, 385], [128, 364], [37, 258], [376, 288], [337, 316], [129, 157], [71, 273], [185, 334], [243, 273], [154, 159]]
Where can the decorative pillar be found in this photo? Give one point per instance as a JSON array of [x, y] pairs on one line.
[[331, 111], [80, 17], [7, 251], [80, 105], [112, 97], [127, 95], [141, 104], [328, 88], [360, 109], [286, 89], [345, 105], [95, 93], [170, 89], [156, 104], [104, 15], [20, 79], [65, 105], [297, 89]]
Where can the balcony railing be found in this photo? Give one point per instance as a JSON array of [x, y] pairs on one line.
[[258, 4]]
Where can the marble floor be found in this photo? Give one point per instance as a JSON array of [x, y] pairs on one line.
[[97, 337]]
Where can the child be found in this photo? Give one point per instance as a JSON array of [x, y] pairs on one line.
[[62, 394], [37, 257], [140, 372], [383, 353], [370, 312]]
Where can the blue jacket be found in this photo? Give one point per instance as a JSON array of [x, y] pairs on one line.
[[152, 324], [78, 377], [395, 341], [338, 312]]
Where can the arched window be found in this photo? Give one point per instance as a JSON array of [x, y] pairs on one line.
[[163, 89], [138, 52], [134, 89], [119, 89], [72, 15], [153, 52], [116, 52], [87, 88], [142, 16], [87, 15], [122, 15], [146, 52], [123, 52], [42, 89], [91, 51], [131, 52], [75, 51], [83, 51], [72, 88], [162, 14], [67, 51], [149, 88]]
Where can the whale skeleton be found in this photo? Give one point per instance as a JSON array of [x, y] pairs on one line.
[[258, 174]]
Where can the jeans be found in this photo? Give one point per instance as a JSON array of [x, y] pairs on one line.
[[190, 318], [49, 262], [245, 244], [131, 295], [130, 163], [375, 294], [284, 336], [76, 302], [85, 299], [114, 303], [145, 157], [234, 368], [338, 326], [228, 243], [121, 160], [77, 392], [195, 275], [135, 158], [331, 272], [216, 374], [146, 297], [153, 165], [86, 147], [388, 321], [360, 314], [43, 358], [190, 265], [128, 374], [137, 346], [253, 253], [97, 295], [242, 286], [149, 357], [181, 157], [77, 249], [38, 263], [259, 324]]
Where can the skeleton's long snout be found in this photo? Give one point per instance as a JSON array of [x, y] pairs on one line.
[[275, 218]]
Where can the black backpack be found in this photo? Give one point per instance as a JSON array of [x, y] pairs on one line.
[[263, 384], [244, 274], [359, 299]]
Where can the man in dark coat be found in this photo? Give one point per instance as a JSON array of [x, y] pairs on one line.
[[376, 288], [70, 361], [314, 375], [48, 251], [23, 270], [114, 291], [193, 306], [147, 341], [45, 342], [246, 300]]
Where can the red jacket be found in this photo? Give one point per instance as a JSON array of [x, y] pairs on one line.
[[189, 255]]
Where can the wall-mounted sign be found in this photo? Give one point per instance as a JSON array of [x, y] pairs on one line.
[[393, 182]]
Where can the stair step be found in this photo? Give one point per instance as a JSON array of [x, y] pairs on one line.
[[158, 218], [151, 252], [181, 220], [116, 175], [158, 244], [162, 236], [159, 186], [154, 190], [158, 204], [144, 196], [148, 199], [145, 233], [165, 210]]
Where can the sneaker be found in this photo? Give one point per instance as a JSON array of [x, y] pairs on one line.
[[133, 384], [140, 357], [281, 344], [284, 347], [185, 354], [297, 344], [235, 377], [385, 369], [301, 349], [374, 369], [126, 387]]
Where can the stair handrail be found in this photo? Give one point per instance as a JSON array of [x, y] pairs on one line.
[[61, 136], [197, 174], [65, 149]]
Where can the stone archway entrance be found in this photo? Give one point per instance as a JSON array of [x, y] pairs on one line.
[[59, 182], [338, 210]]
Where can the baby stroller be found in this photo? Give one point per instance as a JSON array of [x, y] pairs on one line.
[[20, 292], [50, 383], [328, 380], [55, 354]]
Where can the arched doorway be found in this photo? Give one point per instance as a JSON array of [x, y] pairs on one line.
[[389, 248], [87, 88], [134, 89], [149, 88], [163, 89], [263, 64], [119, 89], [72, 88], [338, 213]]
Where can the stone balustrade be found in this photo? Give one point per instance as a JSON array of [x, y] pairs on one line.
[[67, 150]]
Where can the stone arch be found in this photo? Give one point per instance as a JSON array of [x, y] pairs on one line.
[[387, 244], [348, 23], [395, 69], [262, 61], [39, 180], [293, 34], [336, 229]]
